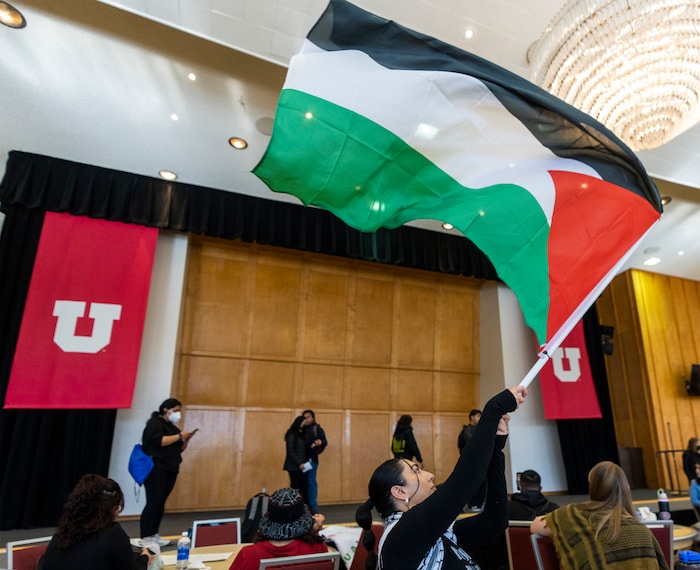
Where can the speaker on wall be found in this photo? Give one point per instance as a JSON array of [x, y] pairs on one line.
[[693, 385]]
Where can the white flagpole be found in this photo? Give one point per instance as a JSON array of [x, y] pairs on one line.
[[558, 337]]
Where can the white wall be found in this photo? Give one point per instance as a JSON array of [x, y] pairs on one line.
[[157, 360], [508, 351]]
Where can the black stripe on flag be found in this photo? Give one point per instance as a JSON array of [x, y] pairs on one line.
[[566, 131]]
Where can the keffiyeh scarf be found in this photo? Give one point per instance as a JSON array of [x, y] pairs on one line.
[[445, 547]]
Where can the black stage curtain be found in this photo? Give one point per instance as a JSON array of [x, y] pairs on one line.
[[44, 452], [587, 442], [44, 183]]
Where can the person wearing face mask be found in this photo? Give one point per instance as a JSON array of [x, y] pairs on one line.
[[164, 442]]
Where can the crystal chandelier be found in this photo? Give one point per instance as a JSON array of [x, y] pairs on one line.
[[634, 65]]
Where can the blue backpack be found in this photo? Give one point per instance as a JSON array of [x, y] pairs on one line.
[[140, 466]]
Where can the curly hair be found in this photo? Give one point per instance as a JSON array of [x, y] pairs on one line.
[[91, 507]]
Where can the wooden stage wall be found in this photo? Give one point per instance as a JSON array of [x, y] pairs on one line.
[[657, 338], [267, 332]]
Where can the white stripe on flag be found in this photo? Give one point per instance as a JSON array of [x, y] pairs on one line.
[[462, 109]]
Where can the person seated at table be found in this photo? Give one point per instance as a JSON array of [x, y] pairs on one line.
[[88, 535], [529, 502], [287, 529], [603, 532]]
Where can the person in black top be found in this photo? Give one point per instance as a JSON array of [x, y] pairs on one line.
[[468, 430], [421, 530], [164, 442], [296, 457], [529, 502], [403, 444], [88, 535]]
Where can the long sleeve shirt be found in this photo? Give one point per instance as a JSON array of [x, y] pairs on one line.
[[412, 537]]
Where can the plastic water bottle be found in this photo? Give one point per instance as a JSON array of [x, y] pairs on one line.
[[664, 511], [688, 560], [183, 552]]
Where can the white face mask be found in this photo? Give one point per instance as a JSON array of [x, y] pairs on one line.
[[174, 417]]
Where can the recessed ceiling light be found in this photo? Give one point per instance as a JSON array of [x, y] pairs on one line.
[[469, 33], [191, 77], [665, 200], [167, 175], [11, 16], [174, 117], [652, 261], [238, 143], [447, 226], [681, 252]]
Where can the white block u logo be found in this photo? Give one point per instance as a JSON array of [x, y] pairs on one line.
[[573, 355], [68, 313]]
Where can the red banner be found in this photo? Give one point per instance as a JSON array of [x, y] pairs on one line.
[[568, 391], [81, 330]]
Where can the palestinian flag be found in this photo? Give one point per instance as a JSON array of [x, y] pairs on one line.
[[382, 125]]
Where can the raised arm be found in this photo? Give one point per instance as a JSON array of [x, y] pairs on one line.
[[423, 524]]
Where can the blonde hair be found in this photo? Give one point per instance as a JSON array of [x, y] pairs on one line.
[[611, 499]]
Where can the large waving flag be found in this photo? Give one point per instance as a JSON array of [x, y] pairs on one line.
[[382, 125]]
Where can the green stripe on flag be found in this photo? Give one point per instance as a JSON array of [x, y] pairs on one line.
[[336, 159]]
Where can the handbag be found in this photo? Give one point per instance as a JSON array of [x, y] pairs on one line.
[[140, 467]]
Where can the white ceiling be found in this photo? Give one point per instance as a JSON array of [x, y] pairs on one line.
[[97, 82]]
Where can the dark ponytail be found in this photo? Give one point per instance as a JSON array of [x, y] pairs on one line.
[[363, 517], [385, 476]]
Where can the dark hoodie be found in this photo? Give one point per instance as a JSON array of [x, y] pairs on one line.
[[528, 505], [404, 445]]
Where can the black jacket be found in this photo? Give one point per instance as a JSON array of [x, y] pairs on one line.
[[297, 451], [528, 505], [314, 432], [404, 445]]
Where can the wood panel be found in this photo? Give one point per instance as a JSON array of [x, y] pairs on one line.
[[446, 431], [456, 346], [276, 307], [210, 458], [326, 315], [218, 380], [322, 386], [423, 428], [414, 339], [215, 307], [654, 346], [330, 464], [369, 446], [372, 308], [263, 451], [267, 332], [270, 384]]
